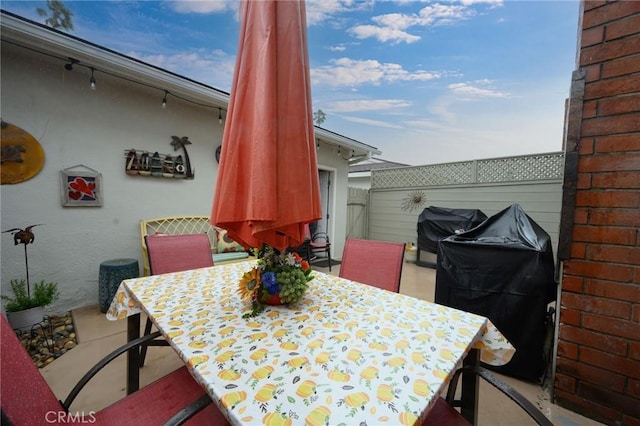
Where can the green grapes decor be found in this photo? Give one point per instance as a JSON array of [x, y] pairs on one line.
[[278, 278]]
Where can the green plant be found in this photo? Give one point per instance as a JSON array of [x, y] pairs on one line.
[[43, 295]]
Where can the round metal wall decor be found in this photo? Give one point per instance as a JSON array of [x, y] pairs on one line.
[[22, 155]]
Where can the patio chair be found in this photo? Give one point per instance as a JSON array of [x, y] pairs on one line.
[[174, 253], [443, 412], [376, 263], [317, 243], [27, 399]]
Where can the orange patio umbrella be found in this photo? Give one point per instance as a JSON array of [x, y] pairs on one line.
[[267, 186]]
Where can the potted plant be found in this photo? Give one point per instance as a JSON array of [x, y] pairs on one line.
[[25, 309]]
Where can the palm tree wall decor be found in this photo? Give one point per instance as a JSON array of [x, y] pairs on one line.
[[182, 142]]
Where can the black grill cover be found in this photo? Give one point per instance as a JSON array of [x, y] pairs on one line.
[[504, 270], [436, 223]]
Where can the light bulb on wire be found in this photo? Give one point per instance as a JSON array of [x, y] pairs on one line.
[[164, 100], [92, 80]]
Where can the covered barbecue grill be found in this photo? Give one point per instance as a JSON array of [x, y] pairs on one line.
[[504, 270], [436, 223]]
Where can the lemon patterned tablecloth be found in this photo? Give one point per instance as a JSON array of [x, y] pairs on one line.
[[348, 353]]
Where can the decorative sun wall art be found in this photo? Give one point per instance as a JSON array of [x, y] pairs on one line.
[[414, 200]]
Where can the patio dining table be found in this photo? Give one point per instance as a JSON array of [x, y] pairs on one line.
[[348, 353]]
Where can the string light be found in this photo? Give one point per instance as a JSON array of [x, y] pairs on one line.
[[71, 62], [69, 65], [92, 80], [164, 100]]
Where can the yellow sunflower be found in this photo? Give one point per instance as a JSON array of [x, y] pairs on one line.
[[249, 284]]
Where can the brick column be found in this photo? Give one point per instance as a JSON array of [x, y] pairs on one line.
[[598, 361]]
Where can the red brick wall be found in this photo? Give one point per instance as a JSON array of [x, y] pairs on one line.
[[598, 362]]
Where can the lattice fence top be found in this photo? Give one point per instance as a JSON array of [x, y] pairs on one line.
[[493, 170]]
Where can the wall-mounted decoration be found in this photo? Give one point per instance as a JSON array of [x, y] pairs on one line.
[[414, 200], [22, 155], [182, 142], [81, 186], [143, 163]]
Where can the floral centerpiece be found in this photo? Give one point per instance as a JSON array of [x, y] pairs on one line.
[[277, 278]]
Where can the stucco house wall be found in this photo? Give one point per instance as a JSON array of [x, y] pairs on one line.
[[79, 126]]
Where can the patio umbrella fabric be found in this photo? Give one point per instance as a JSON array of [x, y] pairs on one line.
[[267, 186]]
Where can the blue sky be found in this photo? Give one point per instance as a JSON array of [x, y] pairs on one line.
[[424, 81]]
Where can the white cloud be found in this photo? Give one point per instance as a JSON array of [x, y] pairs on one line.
[[392, 27], [203, 6], [214, 68], [339, 48], [383, 34], [468, 91], [319, 11], [368, 105], [350, 72], [492, 3], [369, 122], [398, 21], [439, 14], [426, 124]]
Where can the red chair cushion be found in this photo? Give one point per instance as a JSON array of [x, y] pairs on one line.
[[25, 395], [27, 399], [175, 253], [372, 262], [159, 401]]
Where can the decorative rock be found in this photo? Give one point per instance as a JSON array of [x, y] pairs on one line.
[[54, 337]]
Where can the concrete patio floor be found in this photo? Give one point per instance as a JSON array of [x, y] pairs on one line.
[[97, 337]]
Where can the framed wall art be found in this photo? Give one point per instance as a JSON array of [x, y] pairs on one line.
[[81, 186]]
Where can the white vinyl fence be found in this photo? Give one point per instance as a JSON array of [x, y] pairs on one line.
[[357, 213]]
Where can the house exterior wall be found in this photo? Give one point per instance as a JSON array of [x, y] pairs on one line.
[[76, 125], [360, 180], [598, 359]]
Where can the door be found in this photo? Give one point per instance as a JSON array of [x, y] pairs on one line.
[[325, 224]]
